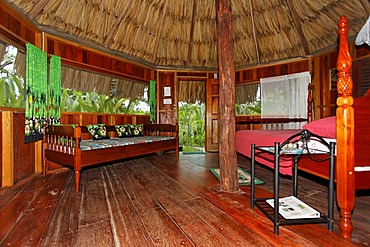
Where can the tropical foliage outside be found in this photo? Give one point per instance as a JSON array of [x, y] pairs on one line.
[[11, 84], [248, 108], [192, 126], [76, 101], [12, 94]]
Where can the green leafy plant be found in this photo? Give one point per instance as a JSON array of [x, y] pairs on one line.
[[76, 101], [11, 84], [253, 107]]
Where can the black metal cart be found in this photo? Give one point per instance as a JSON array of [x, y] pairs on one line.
[[294, 147]]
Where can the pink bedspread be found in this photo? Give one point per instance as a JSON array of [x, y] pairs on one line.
[[245, 138]]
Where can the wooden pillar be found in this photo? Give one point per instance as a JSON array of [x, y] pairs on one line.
[[345, 175], [227, 150], [8, 149]]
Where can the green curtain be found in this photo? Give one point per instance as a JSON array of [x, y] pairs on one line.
[[152, 101], [54, 90], [36, 93]]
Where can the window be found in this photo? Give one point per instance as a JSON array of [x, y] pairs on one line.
[[12, 70], [285, 97], [248, 99]]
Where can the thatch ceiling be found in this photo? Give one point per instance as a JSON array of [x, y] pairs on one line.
[[182, 33]]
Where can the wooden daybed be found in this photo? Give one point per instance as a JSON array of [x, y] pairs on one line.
[[352, 139], [64, 145]]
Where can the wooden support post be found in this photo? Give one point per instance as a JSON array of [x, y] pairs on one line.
[[8, 149], [227, 149], [345, 175], [38, 157]]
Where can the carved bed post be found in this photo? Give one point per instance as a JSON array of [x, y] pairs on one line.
[[310, 103], [345, 133]]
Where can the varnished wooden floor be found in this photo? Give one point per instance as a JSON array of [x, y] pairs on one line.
[[152, 201]]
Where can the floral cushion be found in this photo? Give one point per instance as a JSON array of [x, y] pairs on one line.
[[98, 131], [123, 130], [137, 130], [129, 130]]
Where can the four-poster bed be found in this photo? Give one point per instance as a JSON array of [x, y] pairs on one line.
[[352, 139]]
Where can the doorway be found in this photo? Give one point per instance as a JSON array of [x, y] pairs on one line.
[[191, 116]]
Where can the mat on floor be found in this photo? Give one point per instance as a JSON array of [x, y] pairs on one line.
[[243, 176]]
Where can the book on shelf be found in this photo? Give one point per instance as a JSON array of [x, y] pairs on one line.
[[292, 208]]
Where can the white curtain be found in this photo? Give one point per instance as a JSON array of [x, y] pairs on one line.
[[363, 37], [285, 97]]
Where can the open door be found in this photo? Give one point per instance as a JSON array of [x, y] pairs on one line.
[[212, 115], [191, 116]]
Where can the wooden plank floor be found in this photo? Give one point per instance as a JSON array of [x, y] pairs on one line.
[[154, 201]]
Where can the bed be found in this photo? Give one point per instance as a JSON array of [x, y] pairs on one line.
[[65, 145], [351, 133]]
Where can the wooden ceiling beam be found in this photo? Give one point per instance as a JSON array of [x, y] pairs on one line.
[[298, 27]]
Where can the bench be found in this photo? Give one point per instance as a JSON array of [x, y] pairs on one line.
[[66, 145]]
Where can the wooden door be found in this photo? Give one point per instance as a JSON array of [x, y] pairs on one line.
[[212, 115]]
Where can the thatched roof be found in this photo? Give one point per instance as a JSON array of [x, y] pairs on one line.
[[182, 33]]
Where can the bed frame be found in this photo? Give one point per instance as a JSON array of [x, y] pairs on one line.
[[353, 136], [61, 145], [352, 139]]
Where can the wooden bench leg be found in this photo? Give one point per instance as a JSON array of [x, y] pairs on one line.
[[45, 167], [77, 180]]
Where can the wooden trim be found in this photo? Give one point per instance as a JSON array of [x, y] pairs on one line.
[[8, 149], [13, 12], [82, 56], [11, 109], [38, 157], [16, 27]]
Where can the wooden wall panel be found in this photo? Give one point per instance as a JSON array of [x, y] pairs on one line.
[[255, 74], [361, 51], [324, 101], [141, 119], [16, 27], [108, 119], [1, 149], [77, 55], [24, 154], [361, 76], [166, 113], [123, 119], [69, 118]]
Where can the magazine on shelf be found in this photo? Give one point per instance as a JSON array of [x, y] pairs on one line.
[[292, 208]]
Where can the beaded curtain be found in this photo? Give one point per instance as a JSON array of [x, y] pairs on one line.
[[54, 91], [152, 101], [36, 92]]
